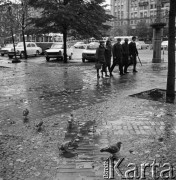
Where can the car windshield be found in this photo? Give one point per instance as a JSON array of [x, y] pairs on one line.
[[57, 46], [92, 47], [9, 45], [20, 45]]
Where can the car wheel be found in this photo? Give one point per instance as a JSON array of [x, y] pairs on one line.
[[10, 56], [37, 53], [2, 54], [83, 60], [47, 58]]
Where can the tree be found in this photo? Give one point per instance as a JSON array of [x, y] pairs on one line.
[[85, 18], [123, 30], [22, 17], [8, 24], [19, 17], [143, 30], [170, 90]]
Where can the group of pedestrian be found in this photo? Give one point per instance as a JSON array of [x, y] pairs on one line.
[[123, 55]]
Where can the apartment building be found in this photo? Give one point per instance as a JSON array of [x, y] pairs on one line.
[[131, 12]]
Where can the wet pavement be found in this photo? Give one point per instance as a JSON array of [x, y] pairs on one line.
[[103, 113]]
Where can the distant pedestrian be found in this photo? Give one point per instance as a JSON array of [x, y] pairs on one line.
[[117, 57], [125, 60], [133, 52], [100, 59], [108, 55]]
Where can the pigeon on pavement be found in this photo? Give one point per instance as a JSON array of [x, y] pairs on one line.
[[39, 126], [113, 149], [64, 146], [25, 113]]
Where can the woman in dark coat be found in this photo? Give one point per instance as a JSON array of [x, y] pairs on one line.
[[108, 54], [100, 58]]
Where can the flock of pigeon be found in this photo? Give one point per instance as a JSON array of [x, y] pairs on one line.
[[67, 148], [38, 126]]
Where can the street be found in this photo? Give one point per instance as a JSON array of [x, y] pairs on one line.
[[103, 114]]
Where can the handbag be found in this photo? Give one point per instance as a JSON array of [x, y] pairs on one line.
[[98, 65]]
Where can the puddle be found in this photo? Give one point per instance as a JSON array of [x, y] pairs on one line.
[[155, 95]]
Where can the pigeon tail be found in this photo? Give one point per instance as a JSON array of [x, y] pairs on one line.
[[104, 150]]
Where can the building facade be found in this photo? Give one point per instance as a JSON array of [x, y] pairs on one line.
[[131, 12]]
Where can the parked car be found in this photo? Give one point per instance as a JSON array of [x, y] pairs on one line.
[[142, 45], [44, 45], [6, 49], [90, 52], [31, 48], [164, 45], [57, 51], [80, 45]]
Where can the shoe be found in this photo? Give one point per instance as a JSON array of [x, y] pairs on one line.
[[106, 75], [111, 74], [135, 70], [126, 72], [122, 74]]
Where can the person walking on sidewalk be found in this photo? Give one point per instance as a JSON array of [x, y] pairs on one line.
[[100, 59], [133, 52], [117, 57], [125, 48], [108, 55]]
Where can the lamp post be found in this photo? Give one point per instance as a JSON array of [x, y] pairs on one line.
[[157, 31]]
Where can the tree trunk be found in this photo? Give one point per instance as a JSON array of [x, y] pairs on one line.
[[13, 43], [170, 92], [24, 44], [65, 44]]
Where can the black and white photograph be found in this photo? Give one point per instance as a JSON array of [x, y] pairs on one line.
[[87, 89]]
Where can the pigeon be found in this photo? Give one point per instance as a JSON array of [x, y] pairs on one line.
[[113, 149], [39, 126], [71, 122], [25, 113], [69, 145], [64, 147]]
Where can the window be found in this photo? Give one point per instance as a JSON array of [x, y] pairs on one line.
[[145, 14], [135, 14], [145, 7], [131, 22], [32, 45], [28, 45], [151, 6], [141, 14], [132, 15]]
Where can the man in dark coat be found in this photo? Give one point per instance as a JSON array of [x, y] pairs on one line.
[[125, 48], [133, 52], [108, 55], [117, 57]]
